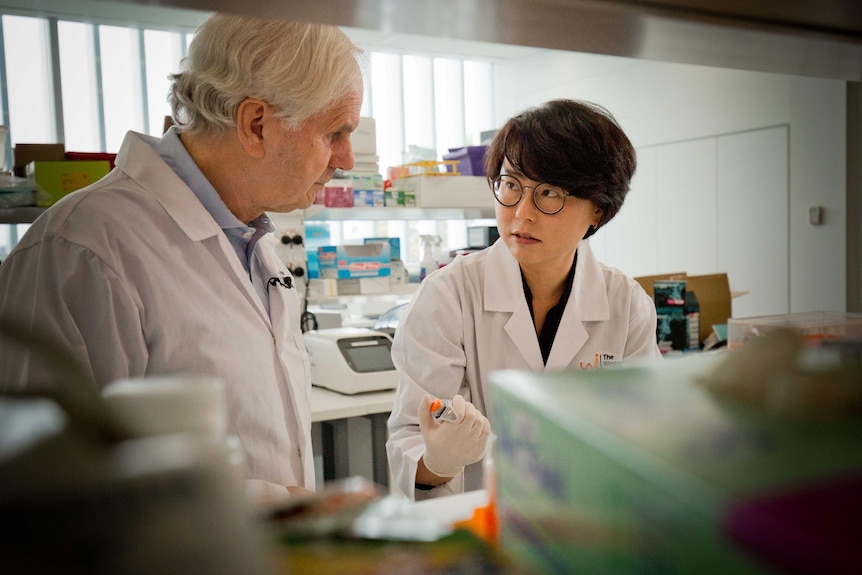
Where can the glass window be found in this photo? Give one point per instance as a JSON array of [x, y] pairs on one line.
[[82, 125], [478, 99], [163, 51], [31, 115], [387, 108], [419, 102], [121, 84], [449, 104]]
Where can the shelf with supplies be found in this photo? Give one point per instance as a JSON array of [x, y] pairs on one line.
[[436, 198], [321, 213], [22, 215]]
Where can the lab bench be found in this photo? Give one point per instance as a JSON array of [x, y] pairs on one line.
[[349, 434]]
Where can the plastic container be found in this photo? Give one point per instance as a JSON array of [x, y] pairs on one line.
[[814, 327]]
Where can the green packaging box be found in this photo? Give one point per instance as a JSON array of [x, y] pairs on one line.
[[639, 469], [55, 179]]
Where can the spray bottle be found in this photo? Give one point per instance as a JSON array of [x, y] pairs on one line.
[[428, 263]]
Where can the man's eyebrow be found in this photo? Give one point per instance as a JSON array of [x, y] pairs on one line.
[[345, 128]]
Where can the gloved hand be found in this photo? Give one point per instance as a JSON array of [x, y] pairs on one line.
[[450, 446]]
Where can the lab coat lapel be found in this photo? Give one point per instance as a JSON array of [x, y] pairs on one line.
[[504, 293], [283, 303], [286, 313], [183, 206], [588, 302]]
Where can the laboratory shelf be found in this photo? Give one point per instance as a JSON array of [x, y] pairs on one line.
[[23, 215], [321, 213], [436, 197]]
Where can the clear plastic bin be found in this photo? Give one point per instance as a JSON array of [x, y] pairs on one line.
[[814, 326]]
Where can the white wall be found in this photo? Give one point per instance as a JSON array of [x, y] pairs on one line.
[[662, 105]]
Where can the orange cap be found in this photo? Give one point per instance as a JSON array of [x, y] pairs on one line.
[[436, 404]]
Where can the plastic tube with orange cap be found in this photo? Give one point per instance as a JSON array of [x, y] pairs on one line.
[[442, 410]]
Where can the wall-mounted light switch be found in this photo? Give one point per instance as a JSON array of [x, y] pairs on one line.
[[815, 215]]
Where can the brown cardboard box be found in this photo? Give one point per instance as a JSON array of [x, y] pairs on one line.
[[26, 153], [713, 296]]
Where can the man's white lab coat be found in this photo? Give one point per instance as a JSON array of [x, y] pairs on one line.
[[134, 277]]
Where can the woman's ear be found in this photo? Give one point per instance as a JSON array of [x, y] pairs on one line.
[[597, 217], [251, 115]]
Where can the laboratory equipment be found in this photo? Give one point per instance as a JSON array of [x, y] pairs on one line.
[[442, 410], [429, 260], [351, 360]]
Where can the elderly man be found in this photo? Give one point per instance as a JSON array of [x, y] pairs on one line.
[[167, 265]]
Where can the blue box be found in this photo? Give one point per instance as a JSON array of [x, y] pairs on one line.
[[368, 199], [394, 245], [316, 235], [354, 261]]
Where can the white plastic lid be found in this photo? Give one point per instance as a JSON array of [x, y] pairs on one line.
[[157, 405]]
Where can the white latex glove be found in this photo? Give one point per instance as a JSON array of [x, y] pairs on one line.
[[450, 446]]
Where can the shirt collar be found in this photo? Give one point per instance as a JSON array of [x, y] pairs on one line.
[[174, 153]]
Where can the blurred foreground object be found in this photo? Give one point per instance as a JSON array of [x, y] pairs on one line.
[[84, 490], [342, 530], [779, 373], [71, 503], [650, 469]]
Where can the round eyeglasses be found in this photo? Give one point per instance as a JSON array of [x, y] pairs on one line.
[[548, 199]]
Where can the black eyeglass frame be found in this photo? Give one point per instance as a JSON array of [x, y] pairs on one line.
[[495, 185]]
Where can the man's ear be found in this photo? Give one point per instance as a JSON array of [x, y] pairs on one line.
[[251, 114]]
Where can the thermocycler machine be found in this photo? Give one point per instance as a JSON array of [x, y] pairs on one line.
[[350, 359]]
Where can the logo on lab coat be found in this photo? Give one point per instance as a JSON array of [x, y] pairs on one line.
[[599, 360]]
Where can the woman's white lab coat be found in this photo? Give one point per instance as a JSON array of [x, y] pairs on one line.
[[471, 318], [135, 277]]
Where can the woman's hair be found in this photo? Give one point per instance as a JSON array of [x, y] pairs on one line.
[[577, 146], [300, 69]]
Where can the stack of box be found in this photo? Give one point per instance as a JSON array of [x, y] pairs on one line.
[[316, 235], [364, 143], [672, 326], [365, 175], [357, 269], [56, 172], [363, 185], [713, 298], [367, 189]]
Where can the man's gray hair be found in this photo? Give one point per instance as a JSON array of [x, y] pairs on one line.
[[300, 69]]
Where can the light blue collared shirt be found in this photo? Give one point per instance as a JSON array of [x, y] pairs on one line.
[[242, 237]]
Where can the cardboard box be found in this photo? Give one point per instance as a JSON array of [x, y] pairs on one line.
[[639, 469], [26, 153], [354, 261], [57, 179], [713, 296]]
